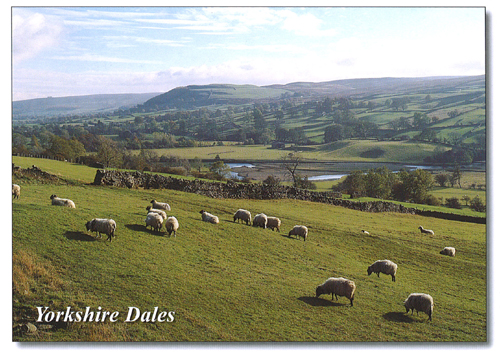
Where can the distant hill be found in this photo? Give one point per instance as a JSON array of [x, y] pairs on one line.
[[76, 105]]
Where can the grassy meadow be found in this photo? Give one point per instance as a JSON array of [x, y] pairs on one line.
[[233, 282]]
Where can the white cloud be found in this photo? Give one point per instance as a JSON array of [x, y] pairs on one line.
[[32, 33]]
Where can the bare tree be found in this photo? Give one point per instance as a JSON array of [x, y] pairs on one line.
[[290, 162]]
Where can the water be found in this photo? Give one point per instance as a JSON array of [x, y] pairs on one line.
[[326, 177]]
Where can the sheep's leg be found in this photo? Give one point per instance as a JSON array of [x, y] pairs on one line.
[[393, 278]]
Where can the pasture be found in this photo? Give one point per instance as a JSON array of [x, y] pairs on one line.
[[233, 282]]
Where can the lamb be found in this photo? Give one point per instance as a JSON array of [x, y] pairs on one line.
[[101, 225], [299, 231], [260, 220], [242, 215], [57, 201], [210, 218], [385, 266], [425, 231], [155, 210], [171, 225], [273, 223], [154, 220], [419, 302], [338, 286], [160, 205], [449, 251], [16, 191]]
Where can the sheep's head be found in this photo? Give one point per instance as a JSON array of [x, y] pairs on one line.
[[53, 196], [153, 201], [148, 208], [202, 211], [319, 291], [88, 225], [369, 270]]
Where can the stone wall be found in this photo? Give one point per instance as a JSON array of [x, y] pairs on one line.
[[233, 190]]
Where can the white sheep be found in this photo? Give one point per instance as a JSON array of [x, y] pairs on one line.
[[260, 220], [102, 225], [339, 286], [365, 232], [449, 251], [154, 220], [242, 215], [210, 218], [274, 223], [387, 267], [57, 201], [419, 302], [171, 225], [299, 231], [160, 205], [425, 231], [155, 210], [16, 191]]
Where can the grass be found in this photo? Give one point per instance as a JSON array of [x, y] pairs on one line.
[[232, 282]]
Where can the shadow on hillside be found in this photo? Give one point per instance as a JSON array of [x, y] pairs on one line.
[[313, 301], [142, 228], [81, 236], [397, 317]]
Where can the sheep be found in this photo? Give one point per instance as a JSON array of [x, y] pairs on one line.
[[171, 225], [210, 218], [155, 210], [242, 215], [57, 201], [154, 220], [365, 232], [338, 286], [299, 231], [260, 220], [449, 251], [101, 225], [273, 222], [419, 302], [16, 191], [385, 266], [160, 205], [425, 231]]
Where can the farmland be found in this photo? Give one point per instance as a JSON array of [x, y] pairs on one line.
[[233, 282]]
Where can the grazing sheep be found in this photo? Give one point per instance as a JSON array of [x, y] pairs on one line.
[[171, 225], [338, 286], [57, 201], [449, 251], [160, 205], [365, 232], [16, 191], [425, 231], [155, 210], [273, 223], [154, 220], [260, 220], [210, 218], [242, 215], [299, 231], [419, 302], [101, 225], [387, 267]]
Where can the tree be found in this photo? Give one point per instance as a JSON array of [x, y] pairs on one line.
[[221, 169], [290, 162], [466, 199], [456, 177], [414, 186], [108, 153], [477, 204], [334, 133], [441, 179], [258, 120], [197, 164]]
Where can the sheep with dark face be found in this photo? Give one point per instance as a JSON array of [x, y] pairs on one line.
[[160, 205], [16, 191], [337, 286], [102, 225], [154, 220], [171, 225], [260, 220], [242, 215], [299, 231], [155, 210], [419, 302], [387, 267], [57, 201], [208, 217], [426, 231], [273, 223]]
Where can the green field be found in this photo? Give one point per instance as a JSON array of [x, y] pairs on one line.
[[233, 282]]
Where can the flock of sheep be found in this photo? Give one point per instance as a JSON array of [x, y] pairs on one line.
[[340, 286]]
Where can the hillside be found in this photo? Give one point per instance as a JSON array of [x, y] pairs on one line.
[[233, 282]]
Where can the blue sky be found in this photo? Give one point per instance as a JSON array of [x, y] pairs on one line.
[[65, 51]]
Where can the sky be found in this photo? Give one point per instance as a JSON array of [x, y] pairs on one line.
[[65, 51]]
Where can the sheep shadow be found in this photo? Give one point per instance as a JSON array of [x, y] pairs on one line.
[[285, 235], [80, 236], [397, 316], [313, 301], [143, 228]]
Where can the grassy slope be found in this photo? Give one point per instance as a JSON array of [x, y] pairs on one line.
[[233, 282]]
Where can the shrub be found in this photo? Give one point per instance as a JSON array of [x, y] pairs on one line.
[[271, 181], [432, 200], [453, 202], [477, 204]]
